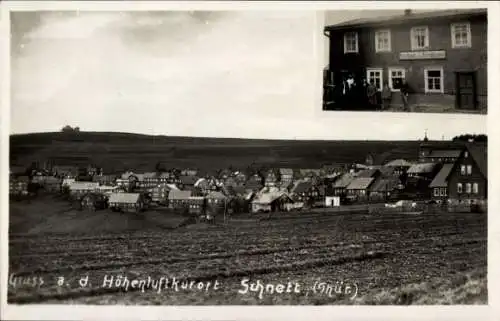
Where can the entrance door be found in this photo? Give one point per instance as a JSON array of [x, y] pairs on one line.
[[466, 90]]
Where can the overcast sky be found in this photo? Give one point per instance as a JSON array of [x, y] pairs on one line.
[[230, 74]]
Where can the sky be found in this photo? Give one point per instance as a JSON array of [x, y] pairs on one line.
[[249, 74]]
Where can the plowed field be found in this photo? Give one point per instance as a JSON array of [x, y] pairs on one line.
[[389, 259]]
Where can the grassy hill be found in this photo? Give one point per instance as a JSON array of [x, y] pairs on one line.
[[122, 151]]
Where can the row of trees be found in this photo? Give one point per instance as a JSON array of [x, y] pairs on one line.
[[69, 129], [468, 137]]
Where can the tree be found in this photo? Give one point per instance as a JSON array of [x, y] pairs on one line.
[[468, 137]]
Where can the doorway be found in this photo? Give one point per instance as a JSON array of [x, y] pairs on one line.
[[466, 91]]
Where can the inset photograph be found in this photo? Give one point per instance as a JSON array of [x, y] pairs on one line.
[[406, 61]]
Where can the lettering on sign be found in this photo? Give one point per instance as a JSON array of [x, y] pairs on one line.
[[419, 55]]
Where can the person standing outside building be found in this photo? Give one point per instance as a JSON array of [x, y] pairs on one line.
[[404, 94], [371, 92], [386, 96]]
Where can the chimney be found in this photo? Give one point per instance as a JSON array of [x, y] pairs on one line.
[[407, 12]]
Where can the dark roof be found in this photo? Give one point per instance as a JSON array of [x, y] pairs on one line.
[[441, 178], [360, 183], [188, 179], [302, 187], [368, 173], [479, 153], [445, 153], [386, 184], [406, 19]]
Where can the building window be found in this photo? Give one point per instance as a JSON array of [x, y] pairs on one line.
[[475, 188], [460, 35], [396, 77], [374, 76], [468, 188], [433, 80], [383, 41], [351, 42], [459, 188], [462, 169], [469, 169], [436, 192], [419, 38]]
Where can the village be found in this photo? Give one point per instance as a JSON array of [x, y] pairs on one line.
[[453, 175]]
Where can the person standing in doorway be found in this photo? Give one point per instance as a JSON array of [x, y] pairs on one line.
[[386, 96], [404, 94]]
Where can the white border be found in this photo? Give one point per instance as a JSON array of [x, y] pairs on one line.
[[60, 312]]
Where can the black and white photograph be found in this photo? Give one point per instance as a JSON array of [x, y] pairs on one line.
[[176, 158], [406, 61]]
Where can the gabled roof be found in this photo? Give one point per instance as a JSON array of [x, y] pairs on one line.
[[129, 198], [398, 163], [268, 198], [179, 195], [479, 153], [360, 183], [386, 184], [421, 168], [343, 181], [367, 173], [406, 19], [301, 187], [441, 178]]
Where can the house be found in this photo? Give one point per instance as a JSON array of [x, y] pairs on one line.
[[159, 194], [150, 180], [52, 184], [332, 170], [196, 205], [305, 192], [469, 180], [104, 179], [106, 189], [441, 55], [94, 202], [126, 202], [78, 189], [400, 166], [178, 199], [466, 179], [358, 188], [341, 183], [383, 188], [272, 178], [65, 171], [166, 177], [254, 183], [216, 199], [270, 202], [286, 176], [420, 175], [369, 173], [439, 185], [187, 182], [19, 186]]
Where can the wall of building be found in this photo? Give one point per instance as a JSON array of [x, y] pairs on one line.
[[476, 177], [463, 59]]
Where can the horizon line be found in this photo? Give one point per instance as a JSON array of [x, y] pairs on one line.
[[245, 138]]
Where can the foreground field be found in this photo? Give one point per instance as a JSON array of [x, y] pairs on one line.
[[389, 259]]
